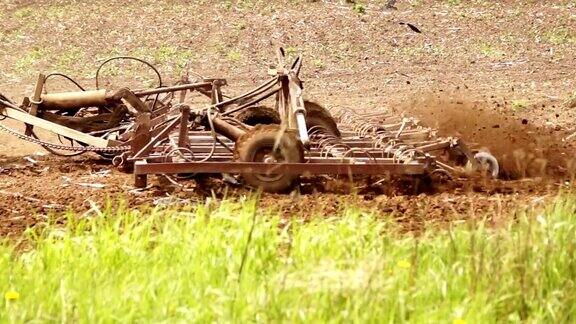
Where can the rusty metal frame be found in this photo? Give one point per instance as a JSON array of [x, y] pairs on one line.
[[370, 144]]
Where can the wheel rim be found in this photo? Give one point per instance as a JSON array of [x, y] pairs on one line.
[[487, 164], [270, 145], [268, 155]]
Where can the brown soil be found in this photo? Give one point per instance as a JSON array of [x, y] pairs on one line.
[[466, 74], [34, 187], [524, 147]]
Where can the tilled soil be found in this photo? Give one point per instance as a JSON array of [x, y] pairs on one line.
[[34, 187], [497, 74], [524, 146]]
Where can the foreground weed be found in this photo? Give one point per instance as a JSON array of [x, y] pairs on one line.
[[231, 261]]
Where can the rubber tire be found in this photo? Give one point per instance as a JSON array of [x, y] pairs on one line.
[[317, 115], [259, 115], [264, 137]]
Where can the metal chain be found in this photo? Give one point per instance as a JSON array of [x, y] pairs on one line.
[[63, 147]]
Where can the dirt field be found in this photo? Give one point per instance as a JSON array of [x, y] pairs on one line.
[[497, 74]]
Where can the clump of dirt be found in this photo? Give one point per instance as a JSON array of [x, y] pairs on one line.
[[522, 147]]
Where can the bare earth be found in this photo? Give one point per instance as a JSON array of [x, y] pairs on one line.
[[497, 74]]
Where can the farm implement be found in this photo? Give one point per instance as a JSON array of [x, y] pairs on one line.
[[270, 135]]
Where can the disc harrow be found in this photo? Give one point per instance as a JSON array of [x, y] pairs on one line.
[[270, 136]]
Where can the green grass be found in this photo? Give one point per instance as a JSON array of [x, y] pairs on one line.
[[560, 36], [23, 13], [421, 51], [26, 63], [359, 8], [233, 263], [234, 55], [453, 2], [318, 63], [519, 104], [69, 60], [489, 50]]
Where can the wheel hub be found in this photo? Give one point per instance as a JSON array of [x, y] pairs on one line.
[[269, 159]]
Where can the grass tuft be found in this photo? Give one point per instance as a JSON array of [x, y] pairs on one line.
[[453, 2], [359, 8], [489, 50], [26, 63], [23, 13], [234, 55], [561, 36], [519, 104]]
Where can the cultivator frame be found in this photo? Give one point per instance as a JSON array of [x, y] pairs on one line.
[[157, 134]]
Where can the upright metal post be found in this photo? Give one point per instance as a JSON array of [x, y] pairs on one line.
[[183, 132], [35, 102]]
